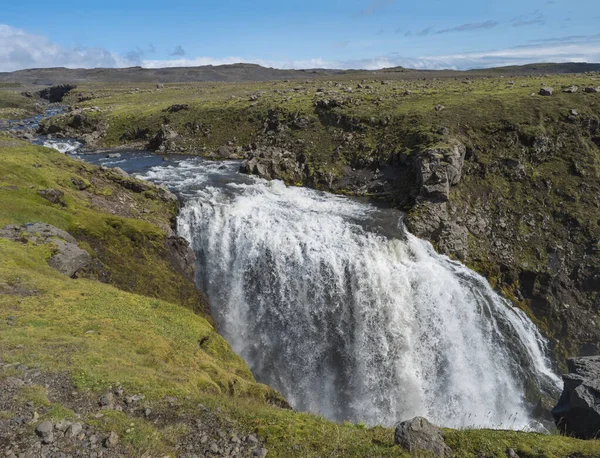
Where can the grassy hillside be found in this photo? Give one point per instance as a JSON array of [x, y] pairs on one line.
[[13, 105]]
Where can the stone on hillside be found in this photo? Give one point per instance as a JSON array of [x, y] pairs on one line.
[[418, 435], [591, 90], [45, 430], [107, 400], [546, 91], [439, 107], [68, 258], [571, 89], [260, 453], [577, 413], [74, 430], [112, 440], [54, 196], [62, 425]]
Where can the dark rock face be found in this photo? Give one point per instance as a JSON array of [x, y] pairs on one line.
[[182, 255], [56, 94], [418, 435], [68, 258], [177, 107], [164, 140], [438, 169], [273, 163], [578, 410]]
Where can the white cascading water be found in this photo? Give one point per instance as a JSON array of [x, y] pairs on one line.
[[64, 146], [333, 303]]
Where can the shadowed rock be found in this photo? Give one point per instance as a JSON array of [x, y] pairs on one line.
[[56, 94], [578, 410]]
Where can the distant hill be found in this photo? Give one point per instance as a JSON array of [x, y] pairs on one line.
[[253, 72]]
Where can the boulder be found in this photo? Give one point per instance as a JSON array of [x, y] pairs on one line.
[[546, 91], [273, 163], [591, 90], [54, 196], [571, 89], [68, 258], [418, 435], [577, 413], [45, 430]]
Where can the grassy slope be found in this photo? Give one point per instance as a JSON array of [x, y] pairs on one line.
[[13, 105]]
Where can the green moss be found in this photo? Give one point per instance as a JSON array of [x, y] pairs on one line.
[[38, 395]]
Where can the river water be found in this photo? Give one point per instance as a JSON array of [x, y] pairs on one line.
[[332, 302]]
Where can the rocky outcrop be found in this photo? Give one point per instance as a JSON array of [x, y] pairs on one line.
[[67, 257], [165, 140], [54, 196], [273, 163], [78, 123], [419, 435], [181, 255], [438, 169], [577, 413], [56, 94]]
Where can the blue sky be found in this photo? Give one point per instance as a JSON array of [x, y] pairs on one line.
[[298, 34]]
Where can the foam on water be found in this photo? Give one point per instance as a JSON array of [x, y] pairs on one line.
[[64, 146], [333, 303]]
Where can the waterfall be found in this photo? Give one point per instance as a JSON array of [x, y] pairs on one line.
[[332, 302]]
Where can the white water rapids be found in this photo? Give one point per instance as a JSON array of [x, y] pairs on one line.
[[332, 302]]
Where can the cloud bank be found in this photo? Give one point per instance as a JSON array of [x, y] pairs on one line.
[[20, 49]]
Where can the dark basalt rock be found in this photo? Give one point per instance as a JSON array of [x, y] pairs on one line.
[[577, 413], [56, 94]]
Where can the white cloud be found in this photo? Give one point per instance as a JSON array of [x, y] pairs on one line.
[[589, 52], [19, 50]]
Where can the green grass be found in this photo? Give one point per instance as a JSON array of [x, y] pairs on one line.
[[124, 243], [13, 105]]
